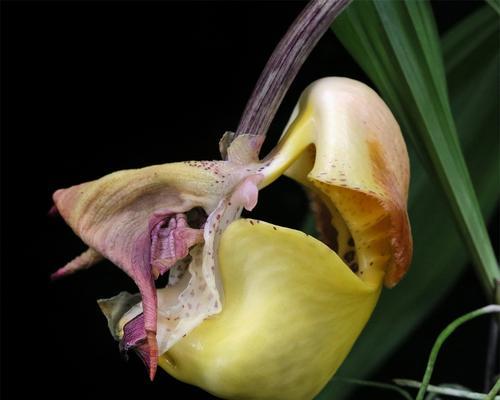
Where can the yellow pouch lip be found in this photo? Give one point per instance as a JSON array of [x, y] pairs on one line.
[[282, 287]]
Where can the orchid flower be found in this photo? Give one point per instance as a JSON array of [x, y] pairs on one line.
[[251, 309]]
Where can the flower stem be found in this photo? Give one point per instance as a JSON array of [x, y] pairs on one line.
[[493, 349], [447, 391], [285, 62], [443, 336], [494, 390]]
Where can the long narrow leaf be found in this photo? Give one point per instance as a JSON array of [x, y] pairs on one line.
[[495, 4], [396, 44], [439, 256]]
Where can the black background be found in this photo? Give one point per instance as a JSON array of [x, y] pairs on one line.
[[89, 88]]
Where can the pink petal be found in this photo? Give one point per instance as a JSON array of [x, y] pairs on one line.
[[117, 215]]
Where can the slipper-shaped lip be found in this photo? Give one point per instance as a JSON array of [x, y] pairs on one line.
[[292, 311]]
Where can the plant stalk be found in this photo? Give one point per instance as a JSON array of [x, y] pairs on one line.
[[493, 349], [447, 391], [285, 62], [443, 336], [494, 390]]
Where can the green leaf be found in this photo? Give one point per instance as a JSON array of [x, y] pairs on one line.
[[495, 4], [439, 256]]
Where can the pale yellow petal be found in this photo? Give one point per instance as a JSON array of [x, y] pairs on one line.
[[292, 311]]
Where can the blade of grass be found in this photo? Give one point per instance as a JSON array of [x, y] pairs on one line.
[[459, 43], [439, 256], [396, 44], [495, 4]]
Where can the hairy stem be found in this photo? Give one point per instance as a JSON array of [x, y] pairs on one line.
[[285, 62]]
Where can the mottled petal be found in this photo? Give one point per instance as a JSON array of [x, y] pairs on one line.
[[138, 220], [114, 215], [201, 295]]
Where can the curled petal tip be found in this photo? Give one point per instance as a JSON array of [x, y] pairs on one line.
[[142, 341], [65, 201], [153, 353], [57, 195], [53, 212], [57, 275], [85, 260]]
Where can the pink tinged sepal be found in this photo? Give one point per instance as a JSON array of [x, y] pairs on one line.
[[196, 294], [53, 211], [117, 214], [137, 220]]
